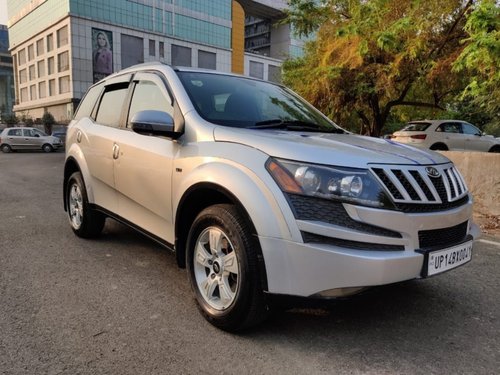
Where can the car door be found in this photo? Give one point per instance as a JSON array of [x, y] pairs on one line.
[[31, 141], [452, 135], [473, 138], [143, 167], [98, 141], [15, 139]]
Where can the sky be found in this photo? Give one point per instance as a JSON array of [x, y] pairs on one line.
[[3, 12]]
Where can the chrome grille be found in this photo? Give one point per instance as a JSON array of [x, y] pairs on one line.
[[413, 184]]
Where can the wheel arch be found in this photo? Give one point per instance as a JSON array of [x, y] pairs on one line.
[[494, 148], [439, 146], [196, 199]]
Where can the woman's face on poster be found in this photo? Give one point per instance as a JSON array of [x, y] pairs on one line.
[[101, 40]]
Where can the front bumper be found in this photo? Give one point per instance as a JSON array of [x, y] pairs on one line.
[[308, 269]]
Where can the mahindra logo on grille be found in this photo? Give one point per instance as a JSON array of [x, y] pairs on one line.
[[432, 172]]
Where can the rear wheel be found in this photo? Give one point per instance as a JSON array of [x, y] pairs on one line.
[[47, 148], [495, 149], [85, 221], [223, 269], [6, 149]]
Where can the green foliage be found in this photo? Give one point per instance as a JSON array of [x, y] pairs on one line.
[[10, 119], [48, 121], [480, 59], [384, 62]]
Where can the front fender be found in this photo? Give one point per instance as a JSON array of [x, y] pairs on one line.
[[264, 203]]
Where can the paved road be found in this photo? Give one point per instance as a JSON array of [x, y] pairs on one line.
[[119, 305]]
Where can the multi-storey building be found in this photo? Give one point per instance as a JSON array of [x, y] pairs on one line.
[[60, 47], [6, 74]]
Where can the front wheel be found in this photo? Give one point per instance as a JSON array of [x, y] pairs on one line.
[[85, 221], [47, 148], [223, 269]]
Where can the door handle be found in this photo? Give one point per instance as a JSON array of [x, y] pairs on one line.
[[116, 151]]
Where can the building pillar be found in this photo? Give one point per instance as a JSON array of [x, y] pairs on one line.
[[237, 38]]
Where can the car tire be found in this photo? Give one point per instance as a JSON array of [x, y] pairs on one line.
[[47, 148], [85, 222], [6, 149], [223, 269], [495, 149]]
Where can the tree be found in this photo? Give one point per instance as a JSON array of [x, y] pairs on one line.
[[480, 59], [371, 57], [48, 121]]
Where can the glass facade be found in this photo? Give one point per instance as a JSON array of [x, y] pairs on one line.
[[201, 21], [6, 74]]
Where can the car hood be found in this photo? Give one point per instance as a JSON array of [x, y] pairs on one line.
[[330, 149]]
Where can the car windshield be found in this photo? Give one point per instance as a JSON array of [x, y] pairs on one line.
[[416, 127], [246, 103]]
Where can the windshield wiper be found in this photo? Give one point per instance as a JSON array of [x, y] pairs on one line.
[[296, 125]]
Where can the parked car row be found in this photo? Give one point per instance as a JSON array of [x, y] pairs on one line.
[[25, 138], [444, 135]]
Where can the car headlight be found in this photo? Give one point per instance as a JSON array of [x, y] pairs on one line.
[[349, 185]]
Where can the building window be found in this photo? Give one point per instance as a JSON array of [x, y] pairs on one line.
[[152, 47], [132, 50], [21, 57], [52, 87], [23, 76], [33, 92], [41, 68], [162, 49], [39, 47], [207, 60], [181, 56], [256, 69], [42, 89], [63, 84], [50, 65], [62, 36], [63, 62], [50, 42], [274, 73], [32, 72], [31, 52], [24, 94]]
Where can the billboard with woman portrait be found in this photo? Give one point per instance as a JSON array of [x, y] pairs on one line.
[[102, 53]]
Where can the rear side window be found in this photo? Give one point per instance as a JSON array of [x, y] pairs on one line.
[[15, 133], [416, 127], [110, 108], [449, 127], [88, 103]]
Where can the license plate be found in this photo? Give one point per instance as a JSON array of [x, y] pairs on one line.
[[444, 260]]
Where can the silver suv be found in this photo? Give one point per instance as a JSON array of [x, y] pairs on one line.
[[28, 139], [258, 193]]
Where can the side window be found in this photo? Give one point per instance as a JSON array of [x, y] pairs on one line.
[[28, 133], [470, 129], [451, 127], [111, 105], [15, 133], [148, 96], [88, 103]]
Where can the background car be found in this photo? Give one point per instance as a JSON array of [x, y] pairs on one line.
[[60, 133], [28, 139], [446, 135]]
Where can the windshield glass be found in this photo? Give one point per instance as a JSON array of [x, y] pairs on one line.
[[247, 103]]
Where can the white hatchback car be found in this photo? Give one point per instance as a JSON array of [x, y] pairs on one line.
[[446, 135]]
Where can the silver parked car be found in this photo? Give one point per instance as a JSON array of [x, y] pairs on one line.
[[444, 135], [21, 138], [258, 193]]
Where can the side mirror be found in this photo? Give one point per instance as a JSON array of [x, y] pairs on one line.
[[37, 135], [152, 122]]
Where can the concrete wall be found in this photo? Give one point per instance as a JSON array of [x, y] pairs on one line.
[[481, 172]]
